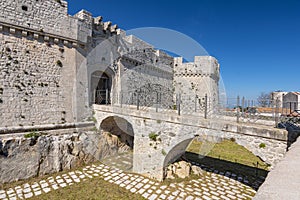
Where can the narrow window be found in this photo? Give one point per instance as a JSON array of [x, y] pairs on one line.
[[25, 8]]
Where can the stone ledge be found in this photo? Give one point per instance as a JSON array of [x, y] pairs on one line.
[[46, 127], [13, 29]]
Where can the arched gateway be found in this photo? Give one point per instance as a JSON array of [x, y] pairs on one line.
[[101, 85]]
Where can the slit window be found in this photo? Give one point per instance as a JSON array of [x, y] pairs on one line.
[[25, 8]]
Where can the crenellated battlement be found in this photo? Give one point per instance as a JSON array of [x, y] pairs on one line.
[[202, 66], [49, 20], [197, 78]]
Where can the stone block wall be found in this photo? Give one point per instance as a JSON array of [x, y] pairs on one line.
[[36, 80], [195, 80], [48, 16], [145, 71]]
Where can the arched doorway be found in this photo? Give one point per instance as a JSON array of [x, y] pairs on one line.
[[101, 84]]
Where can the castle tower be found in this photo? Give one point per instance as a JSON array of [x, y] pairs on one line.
[[194, 80]]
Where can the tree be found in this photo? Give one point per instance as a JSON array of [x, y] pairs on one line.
[[263, 99]]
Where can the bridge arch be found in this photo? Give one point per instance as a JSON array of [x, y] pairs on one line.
[[174, 133], [119, 127], [177, 151], [209, 139]]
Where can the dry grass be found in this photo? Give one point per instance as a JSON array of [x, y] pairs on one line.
[[91, 189]]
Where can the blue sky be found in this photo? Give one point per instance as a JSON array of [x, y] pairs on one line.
[[257, 42]]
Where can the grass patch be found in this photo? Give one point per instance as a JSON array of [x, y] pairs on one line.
[[228, 156], [262, 145], [34, 134], [230, 151], [95, 188]]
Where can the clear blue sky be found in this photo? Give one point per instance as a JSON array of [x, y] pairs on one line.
[[257, 42]]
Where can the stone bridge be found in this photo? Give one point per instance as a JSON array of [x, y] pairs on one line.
[[160, 138]]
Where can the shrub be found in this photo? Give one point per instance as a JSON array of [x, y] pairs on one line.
[[232, 139], [94, 129], [32, 134], [153, 136], [262, 145], [163, 152], [59, 63], [94, 119]]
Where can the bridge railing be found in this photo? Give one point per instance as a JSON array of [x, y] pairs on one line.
[[268, 112], [233, 109], [165, 103]]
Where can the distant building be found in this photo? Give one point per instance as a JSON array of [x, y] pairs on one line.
[[292, 101], [278, 95]]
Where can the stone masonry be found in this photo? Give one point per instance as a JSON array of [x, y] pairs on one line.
[[52, 64], [171, 134]]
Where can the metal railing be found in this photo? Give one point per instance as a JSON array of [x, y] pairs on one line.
[[165, 102], [254, 111], [235, 109], [102, 97]]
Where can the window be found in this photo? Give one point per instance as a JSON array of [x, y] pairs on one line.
[[25, 8]]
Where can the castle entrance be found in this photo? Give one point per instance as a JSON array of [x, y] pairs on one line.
[[101, 83]]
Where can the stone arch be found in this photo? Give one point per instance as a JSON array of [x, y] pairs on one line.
[[180, 148], [119, 127], [177, 151], [101, 84]]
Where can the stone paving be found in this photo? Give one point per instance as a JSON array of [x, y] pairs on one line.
[[209, 186], [122, 161]]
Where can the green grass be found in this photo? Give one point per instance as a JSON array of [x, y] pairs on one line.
[[95, 188], [229, 151], [91, 189], [227, 156]]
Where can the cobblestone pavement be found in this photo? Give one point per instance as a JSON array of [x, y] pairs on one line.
[[122, 161], [209, 186]]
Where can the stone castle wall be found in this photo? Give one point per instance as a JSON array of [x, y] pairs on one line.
[[145, 68], [48, 16], [48, 59], [34, 77]]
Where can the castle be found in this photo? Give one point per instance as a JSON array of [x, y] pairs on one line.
[[54, 66]]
